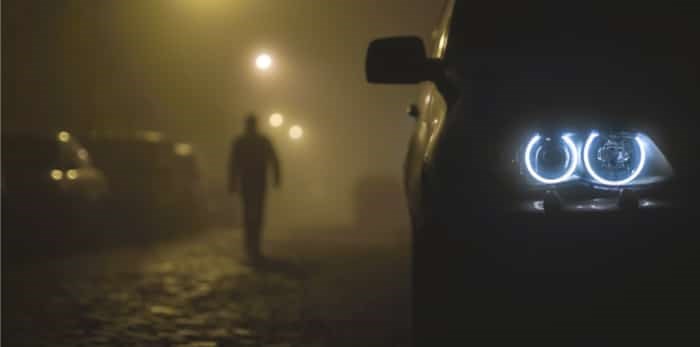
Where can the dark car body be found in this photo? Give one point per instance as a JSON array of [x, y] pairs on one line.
[[152, 186], [492, 265], [50, 191], [189, 185]]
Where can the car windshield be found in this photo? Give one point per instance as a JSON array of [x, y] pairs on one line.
[[28, 153]]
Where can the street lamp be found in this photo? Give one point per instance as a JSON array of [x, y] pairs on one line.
[[296, 132], [263, 61], [276, 120]]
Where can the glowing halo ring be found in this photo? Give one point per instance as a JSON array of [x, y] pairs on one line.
[[591, 171], [569, 172]]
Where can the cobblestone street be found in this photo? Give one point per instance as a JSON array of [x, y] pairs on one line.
[[320, 288]]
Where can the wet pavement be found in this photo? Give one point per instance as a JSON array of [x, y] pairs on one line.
[[321, 287]]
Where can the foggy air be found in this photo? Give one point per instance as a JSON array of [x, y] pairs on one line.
[[349, 173], [153, 95]]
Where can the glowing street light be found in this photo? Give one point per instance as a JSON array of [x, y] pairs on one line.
[[263, 61], [295, 132], [276, 120]]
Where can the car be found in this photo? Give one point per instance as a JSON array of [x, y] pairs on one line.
[[140, 167], [52, 194], [190, 190], [549, 176]]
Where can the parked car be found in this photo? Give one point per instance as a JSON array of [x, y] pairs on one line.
[[191, 201], [152, 185], [549, 175], [51, 191]]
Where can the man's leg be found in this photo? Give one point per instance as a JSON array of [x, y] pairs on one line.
[[252, 210], [247, 226], [257, 209]]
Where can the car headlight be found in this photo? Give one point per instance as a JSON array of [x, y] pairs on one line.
[[551, 161], [608, 159], [614, 159]]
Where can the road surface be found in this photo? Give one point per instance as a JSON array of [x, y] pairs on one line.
[[323, 287]]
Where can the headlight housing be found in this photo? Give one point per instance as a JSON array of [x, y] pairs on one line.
[[604, 159], [614, 159], [551, 161]]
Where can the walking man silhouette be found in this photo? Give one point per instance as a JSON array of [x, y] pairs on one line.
[[252, 155]]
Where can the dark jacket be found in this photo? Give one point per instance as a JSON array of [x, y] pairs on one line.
[[251, 156]]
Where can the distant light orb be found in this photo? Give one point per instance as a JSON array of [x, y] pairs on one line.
[[63, 136], [276, 120], [56, 175], [263, 61], [295, 132], [83, 154]]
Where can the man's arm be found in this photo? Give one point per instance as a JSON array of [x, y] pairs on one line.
[[233, 168], [275, 162]]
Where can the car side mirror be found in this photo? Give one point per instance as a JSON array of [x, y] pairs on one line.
[[397, 60]]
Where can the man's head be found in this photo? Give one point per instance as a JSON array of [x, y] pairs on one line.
[[251, 123]]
